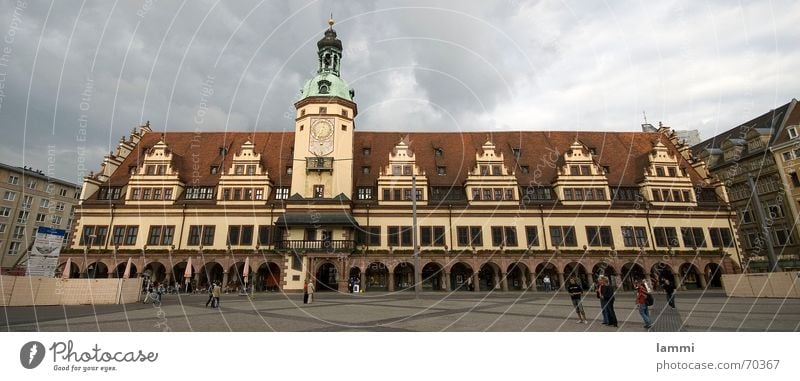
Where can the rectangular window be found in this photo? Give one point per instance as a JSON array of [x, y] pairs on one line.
[[167, 234], [10, 196], [233, 234], [259, 193], [264, 235], [599, 236], [13, 248], [208, 235], [369, 235], [13, 180], [426, 235], [693, 237], [563, 236], [194, 235], [656, 195], [130, 235], [167, 193], [469, 236], [567, 194], [720, 237], [5, 211], [532, 236], [406, 236], [281, 193], [634, 236], [145, 193], [319, 191], [462, 236], [154, 237], [364, 193], [782, 237], [41, 217], [156, 193], [393, 236], [666, 237], [246, 238], [497, 236], [22, 217]]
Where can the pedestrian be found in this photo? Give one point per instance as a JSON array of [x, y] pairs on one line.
[[469, 284], [210, 294], [599, 291], [305, 293], [159, 291], [607, 295], [669, 288], [216, 292], [547, 284], [310, 292], [641, 303], [576, 294]]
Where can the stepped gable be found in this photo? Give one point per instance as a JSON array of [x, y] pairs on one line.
[[625, 153]]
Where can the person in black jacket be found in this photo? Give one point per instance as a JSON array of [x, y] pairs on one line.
[[669, 288], [607, 296]]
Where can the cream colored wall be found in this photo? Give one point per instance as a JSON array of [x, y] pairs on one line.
[[341, 179]]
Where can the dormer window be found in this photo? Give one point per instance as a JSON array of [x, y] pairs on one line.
[[223, 151], [438, 152], [515, 152], [214, 169], [324, 86], [792, 132], [366, 151], [323, 110]]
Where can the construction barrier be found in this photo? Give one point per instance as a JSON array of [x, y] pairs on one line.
[[42, 291], [763, 285]]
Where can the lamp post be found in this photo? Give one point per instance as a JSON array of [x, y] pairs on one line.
[[417, 281]]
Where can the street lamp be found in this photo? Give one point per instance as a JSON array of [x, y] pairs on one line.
[[417, 281]]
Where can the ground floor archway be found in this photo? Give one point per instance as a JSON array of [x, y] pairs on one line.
[[517, 276], [577, 271], [690, 277], [713, 273], [550, 271], [631, 272], [97, 270], [460, 275], [268, 277], [404, 276], [432, 277], [604, 269], [489, 276], [73, 272], [326, 278], [377, 277]]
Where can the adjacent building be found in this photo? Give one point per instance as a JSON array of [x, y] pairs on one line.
[[767, 150], [31, 199], [326, 202]]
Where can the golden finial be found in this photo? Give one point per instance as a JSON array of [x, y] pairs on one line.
[[331, 21]]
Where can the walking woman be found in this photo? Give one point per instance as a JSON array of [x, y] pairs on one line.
[[599, 291], [310, 292], [607, 296]]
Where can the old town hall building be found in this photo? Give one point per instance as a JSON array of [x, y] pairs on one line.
[[330, 202]]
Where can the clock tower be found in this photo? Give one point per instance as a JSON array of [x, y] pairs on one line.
[[323, 144]]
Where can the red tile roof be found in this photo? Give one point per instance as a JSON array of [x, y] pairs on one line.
[[625, 153]]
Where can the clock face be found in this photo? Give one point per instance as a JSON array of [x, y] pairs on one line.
[[322, 130], [321, 137]]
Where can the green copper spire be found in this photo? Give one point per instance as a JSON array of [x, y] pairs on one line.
[[327, 82]]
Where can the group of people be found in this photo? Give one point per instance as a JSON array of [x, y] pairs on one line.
[[606, 294], [153, 293], [214, 291]]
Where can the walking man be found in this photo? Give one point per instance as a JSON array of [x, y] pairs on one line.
[[210, 294], [607, 297], [669, 288], [217, 291], [641, 303], [310, 292], [305, 293], [576, 294], [546, 281]]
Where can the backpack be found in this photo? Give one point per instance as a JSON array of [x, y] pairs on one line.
[[649, 299]]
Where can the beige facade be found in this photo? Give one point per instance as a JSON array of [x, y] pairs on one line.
[[332, 204], [29, 199]]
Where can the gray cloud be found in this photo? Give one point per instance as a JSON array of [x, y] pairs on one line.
[[471, 65]]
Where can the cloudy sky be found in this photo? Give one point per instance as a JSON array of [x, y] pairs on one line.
[[76, 75]]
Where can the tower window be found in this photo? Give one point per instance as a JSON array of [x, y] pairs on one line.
[[323, 110], [441, 170], [303, 112], [344, 113], [344, 128], [366, 151], [324, 86], [365, 170], [319, 191], [288, 170]]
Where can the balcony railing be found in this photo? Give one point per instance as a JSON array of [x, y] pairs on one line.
[[316, 245]]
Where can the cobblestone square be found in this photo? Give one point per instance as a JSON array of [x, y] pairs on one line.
[[430, 312]]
